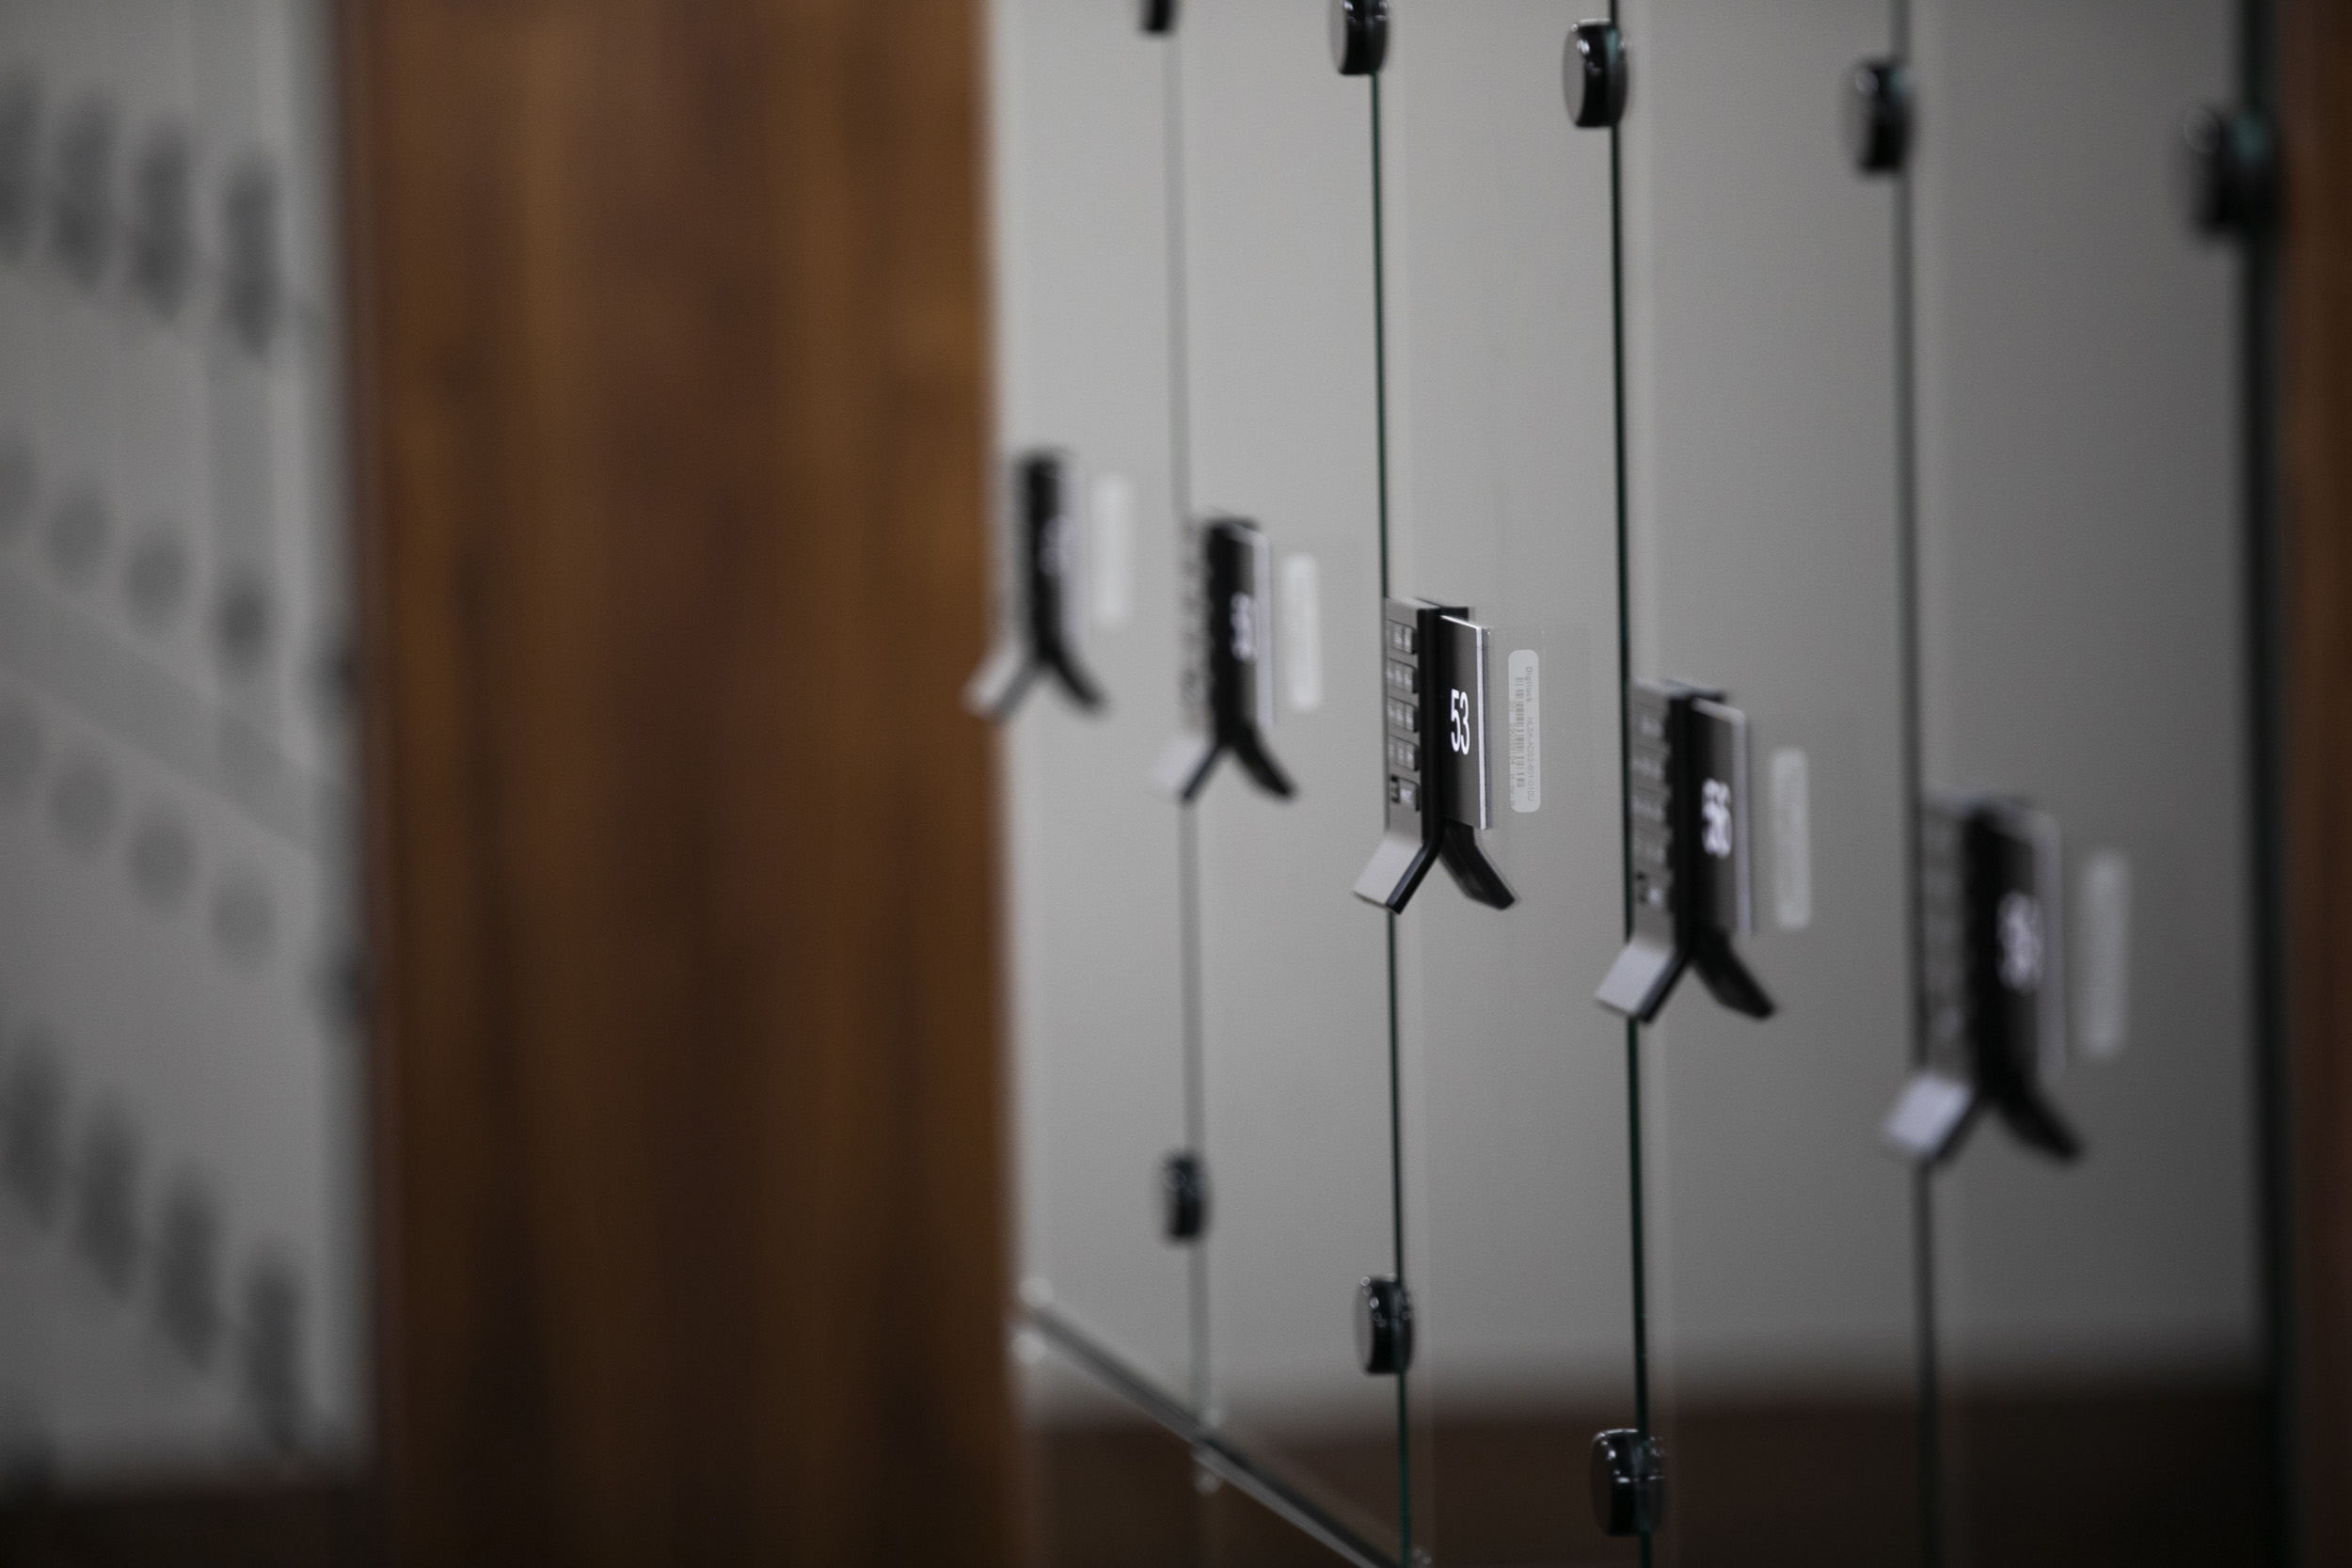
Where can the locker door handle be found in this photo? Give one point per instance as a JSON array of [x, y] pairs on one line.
[[1233, 666], [1434, 752], [1993, 980], [1686, 798], [1040, 641]]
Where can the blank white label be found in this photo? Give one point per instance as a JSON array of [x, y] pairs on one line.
[[2104, 943], [1522, 696], [1792, 840], [1302, 632], [1114, 575]]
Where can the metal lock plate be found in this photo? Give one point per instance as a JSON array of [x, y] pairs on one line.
[[1718, 774], [1459, 744], [1238, 576]]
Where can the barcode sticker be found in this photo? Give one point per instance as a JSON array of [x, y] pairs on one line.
[[1524, 696]]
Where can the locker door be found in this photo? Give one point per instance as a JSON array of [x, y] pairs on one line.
[[2082, 597], [1282, 429], [1764, 565], [1083, 307], [1500, 354]]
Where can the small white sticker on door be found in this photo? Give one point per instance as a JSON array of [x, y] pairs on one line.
[[1523, 695], [1114, 574], [1792, 840], [1302, 632], [2103, 972]]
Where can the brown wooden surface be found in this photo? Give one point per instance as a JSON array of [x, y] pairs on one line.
[[2315, 69], [668, 336]]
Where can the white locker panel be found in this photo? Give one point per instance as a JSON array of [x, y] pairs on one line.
[[179, 1058], [1500, 346], [1764, 561], [1084, 313], [1283, 426], [2083, 598]]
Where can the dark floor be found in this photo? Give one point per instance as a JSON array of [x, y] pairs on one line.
[[2089, 1478]]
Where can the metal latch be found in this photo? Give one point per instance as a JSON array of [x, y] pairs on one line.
[[1230, 687], [1041, 637], [1434, 756], [1687, 802], [1991, 978]]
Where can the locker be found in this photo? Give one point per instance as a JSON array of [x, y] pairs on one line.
[[1727, 530], [1498, 334], [2083, 596], [1283, 430], [1764, 565], [1107, 1092]]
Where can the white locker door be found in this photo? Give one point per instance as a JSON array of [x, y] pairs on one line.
[[1283, 423], [2083, 600], [1501, 355], [1080, 170], [1765, 562]]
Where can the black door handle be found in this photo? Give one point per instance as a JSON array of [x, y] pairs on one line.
[[1233, 667], [1993, 979], [1687, 798], [1046, 541]]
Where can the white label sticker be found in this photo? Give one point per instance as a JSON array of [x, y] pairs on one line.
[[1523, 694], [1792, 840], [1302, 632], [2104, 971], [1114, 551]]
